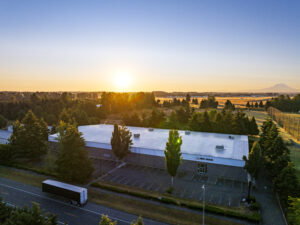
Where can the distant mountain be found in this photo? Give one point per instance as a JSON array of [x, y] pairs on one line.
[[277, 88]]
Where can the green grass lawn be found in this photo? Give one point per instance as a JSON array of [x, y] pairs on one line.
[[22, 176], [295, 157], [260, 116]]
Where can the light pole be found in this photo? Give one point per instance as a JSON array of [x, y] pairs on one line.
[[203, 216]]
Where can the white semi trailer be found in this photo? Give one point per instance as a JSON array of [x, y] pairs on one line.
[[71, 192]]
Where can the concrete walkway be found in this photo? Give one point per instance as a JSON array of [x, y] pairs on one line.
[[270, 210]]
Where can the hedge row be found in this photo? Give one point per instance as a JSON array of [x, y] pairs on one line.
[[254, 217]]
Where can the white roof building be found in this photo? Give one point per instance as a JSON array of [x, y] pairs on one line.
[[224, 149]]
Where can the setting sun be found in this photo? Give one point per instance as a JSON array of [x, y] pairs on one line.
[[122, 81]]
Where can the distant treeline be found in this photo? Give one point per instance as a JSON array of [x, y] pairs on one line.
[[113, 102], [286, 104], [209, 103], [81, 111], [186, 119], [49, 109], [162, 94]]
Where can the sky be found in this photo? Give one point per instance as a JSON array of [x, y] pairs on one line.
[[124, 45]]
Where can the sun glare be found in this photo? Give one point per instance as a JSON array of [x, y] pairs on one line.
[[122, 81]]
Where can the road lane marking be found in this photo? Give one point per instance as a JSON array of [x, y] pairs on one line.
[[51, 199], [70, 214]]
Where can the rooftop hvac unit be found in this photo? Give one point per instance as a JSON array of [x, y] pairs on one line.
[[151, 129], [187, 132], [219, 147], [136, 135], [231, 137]]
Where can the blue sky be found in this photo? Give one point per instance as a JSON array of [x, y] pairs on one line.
[[173, 45]]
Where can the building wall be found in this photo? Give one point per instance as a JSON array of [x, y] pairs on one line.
[[213, 170]]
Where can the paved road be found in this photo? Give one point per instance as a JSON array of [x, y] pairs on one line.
[[17, 194]]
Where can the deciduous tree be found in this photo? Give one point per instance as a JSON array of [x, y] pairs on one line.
[[3, 122], [105, 220], [173, 154], [138, 222]]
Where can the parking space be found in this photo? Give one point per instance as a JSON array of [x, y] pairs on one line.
[[218, 190]]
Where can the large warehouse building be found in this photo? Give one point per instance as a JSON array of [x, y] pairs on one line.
[[213, 154]]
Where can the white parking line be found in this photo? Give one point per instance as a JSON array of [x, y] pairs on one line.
[[44, 197]]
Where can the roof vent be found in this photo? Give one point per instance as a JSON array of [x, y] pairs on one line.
[[219, 147], [187, 132], [151, 129], [136, 135], [231, 137]]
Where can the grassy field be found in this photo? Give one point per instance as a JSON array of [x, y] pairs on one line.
[[295, 157], [22, 176], [260, 116], [240, 102]]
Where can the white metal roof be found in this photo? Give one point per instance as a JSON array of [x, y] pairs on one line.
[[194, 145], [65, 186], [4, 136]]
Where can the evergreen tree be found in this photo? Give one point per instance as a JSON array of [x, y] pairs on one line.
[[173, 154], [73, 163], [105, 220], [188, 98], [261, 104], [253, 129], [254, 162], [248, 106], [29, 139], [229, 106], [293, 214], [3, 122], [205, 123], [138, 222], [286, 183], [65, 116], [121, 141], [44, 129]]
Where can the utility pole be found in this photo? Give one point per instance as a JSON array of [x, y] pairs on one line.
[[203, 216]]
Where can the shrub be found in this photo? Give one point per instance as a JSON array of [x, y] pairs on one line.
[[253, 217], [5, 154], [254, 206]]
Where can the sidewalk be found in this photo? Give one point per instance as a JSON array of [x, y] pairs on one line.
[[270, 210]]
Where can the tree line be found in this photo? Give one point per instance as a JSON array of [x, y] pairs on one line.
[[84, 111], [209, 103], [256, 105], [286, 104], [271, 155], [185, 118]]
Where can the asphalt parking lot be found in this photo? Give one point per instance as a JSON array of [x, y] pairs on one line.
[[218, 190]]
